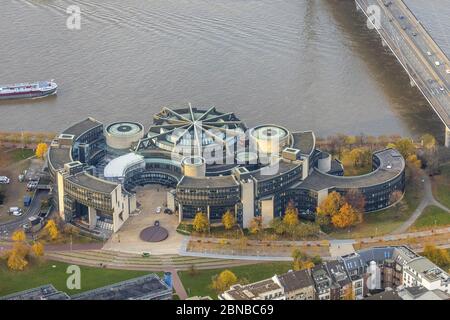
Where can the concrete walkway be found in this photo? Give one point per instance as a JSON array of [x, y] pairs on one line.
[[178, 285], [370, 240], [427, 200]]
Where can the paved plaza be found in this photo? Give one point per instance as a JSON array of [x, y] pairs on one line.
[[127, 238]]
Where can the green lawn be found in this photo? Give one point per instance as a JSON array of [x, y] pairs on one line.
[[21, 154], [199, 284], [385, 221], [441, 185], [432, 216], [44, 273]]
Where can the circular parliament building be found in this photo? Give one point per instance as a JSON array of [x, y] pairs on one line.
[[211, 162]]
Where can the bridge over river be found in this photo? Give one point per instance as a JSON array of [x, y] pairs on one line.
[[426, 64]]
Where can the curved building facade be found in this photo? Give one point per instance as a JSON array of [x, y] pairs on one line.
[[213, 164], [121, 135]]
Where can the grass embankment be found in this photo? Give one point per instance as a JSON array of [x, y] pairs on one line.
[[44, 273], [198, 284], [431, 217], [385, 221], [21, 154], [441, 185]]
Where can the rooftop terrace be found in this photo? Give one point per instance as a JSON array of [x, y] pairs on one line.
[[82, 127], [87, 181]]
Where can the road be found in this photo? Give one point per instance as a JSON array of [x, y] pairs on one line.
[[417, 52], [8, 228]]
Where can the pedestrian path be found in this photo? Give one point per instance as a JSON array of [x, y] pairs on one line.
[[120, 260], [427, 200]]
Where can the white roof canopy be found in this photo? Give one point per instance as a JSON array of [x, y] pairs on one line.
[[118, 167]]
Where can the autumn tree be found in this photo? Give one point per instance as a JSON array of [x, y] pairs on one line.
[[38, 249], [17, 255], [255, 225], [413, 162], [224, 281], [405, 146], [41, 150], [16, 261], [395, 197], [428, 142], [347, 216], [350, 141], [356, 199], [359, 157], [278, 226], [301, 260], [200, 223], [439, 256], [18, 236], [328, 208], [228, 220], [51, 229], [290, 218]]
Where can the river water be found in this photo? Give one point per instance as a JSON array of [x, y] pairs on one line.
[[304, 64]]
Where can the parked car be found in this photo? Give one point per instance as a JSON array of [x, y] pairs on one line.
[[14, 209], [4, 180], [158, 210], [168, 211], [31, 185], [26, 201], [17, 213]]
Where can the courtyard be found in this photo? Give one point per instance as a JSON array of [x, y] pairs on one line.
[[127, 238]]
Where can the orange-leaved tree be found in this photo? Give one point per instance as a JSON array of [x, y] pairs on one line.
[[41, 150], [346, 217], [328, 208], [224, 281], [255, 225], [200, 223], [38, 249], [228, 220], [51, 229], [16, 261], [290, 218], [18, 236]]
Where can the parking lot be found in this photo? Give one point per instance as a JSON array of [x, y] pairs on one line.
[[12, 164], [14, 191]]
